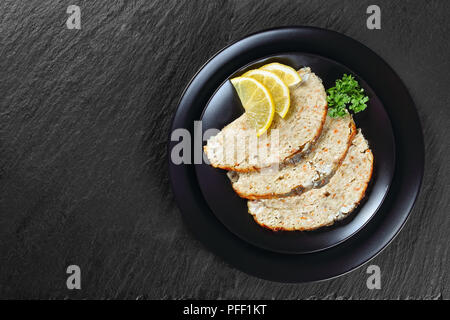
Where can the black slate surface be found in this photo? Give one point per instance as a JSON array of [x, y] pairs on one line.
[[84, 121]]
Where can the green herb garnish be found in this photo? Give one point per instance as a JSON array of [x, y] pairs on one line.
[[346, 94]]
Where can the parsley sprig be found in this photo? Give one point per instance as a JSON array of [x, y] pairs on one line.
[[346, 94]]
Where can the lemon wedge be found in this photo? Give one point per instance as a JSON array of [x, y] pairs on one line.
[[277, 88], [286, 73], [257, 101]]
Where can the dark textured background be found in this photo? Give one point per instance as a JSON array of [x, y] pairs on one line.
[[84, 120]]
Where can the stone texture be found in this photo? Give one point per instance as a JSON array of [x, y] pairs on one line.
[[84, 120]]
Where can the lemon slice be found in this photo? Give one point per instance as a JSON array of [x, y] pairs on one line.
[[257, 102], [286, 73], [277, 88]]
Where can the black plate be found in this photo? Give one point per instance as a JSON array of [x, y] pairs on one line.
[[224, 107], [393, 212]]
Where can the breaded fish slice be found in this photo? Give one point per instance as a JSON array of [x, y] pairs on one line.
[[320, 207], [310, 171], [232, 147]]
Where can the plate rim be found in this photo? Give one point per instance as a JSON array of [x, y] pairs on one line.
[[198, 167]]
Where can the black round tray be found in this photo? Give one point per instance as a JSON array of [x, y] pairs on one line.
[[375, 232]]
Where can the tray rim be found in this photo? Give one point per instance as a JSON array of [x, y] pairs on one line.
[[419, 162]]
